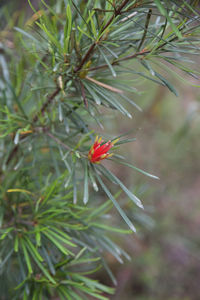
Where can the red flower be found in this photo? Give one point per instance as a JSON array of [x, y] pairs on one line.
[[99, 150]]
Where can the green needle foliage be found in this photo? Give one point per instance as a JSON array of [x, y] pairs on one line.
[[58, 67]]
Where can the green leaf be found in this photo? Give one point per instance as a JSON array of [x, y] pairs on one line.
[[32, 248], [85, 33], [26, 34], [26, 256], [165, 13], [131, 102], [55, 241], [50, 35], [96, 212], [93, 94], [6, 232], [16, 243], [17, 100], [67, 29], [62, 236], [43, 269], [109, 228], [64, 291], [93, 181], [108, 63], [85, 196], [125, 141], [74, 182], [48, 258], [35, 11], [5, 259], [135, 168], [108, 270], [83, 261], [38, 236], [111, 176], [74, 295], [117, 206], [113, 103], [93, 27], [94, 284], [167, 83], [50, 191]]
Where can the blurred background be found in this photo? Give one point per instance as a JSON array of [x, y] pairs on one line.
[[165, 251]]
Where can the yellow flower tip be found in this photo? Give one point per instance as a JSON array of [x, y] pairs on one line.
[[110, 155], [103, 156], [96, 139], [99, 141], [115, 141]]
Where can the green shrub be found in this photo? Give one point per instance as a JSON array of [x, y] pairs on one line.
[[70, 64]]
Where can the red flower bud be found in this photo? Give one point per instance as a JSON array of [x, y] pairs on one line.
[[99, 150]]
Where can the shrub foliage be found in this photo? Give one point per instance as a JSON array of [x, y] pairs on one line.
[[62, 69]]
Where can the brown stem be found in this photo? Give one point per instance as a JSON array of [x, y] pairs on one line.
[[117, 12], [58, 141], [12, 154], [90, 50], [46, 103], [35, 119], [115, 62], [85, 58]]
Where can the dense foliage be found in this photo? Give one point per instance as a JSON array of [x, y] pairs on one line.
[[70, 63]]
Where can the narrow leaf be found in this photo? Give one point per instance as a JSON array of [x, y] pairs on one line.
[[165, 13], [26, 256], [85, 196], [127, 191], [135, 168], [117, 206], [108, 63]]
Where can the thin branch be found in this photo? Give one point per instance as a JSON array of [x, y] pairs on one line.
[[90, 50], [35, 119], [12, 154], [115, 62], [46, 104], [58, 141], [145, 29], [116, 13]]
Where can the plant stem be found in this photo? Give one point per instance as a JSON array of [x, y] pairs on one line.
[[115, 62], [58, 141], [90, 50], [46, 104]]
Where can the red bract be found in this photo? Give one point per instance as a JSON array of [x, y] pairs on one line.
[[99, 150]]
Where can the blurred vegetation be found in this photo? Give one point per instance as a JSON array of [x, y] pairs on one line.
[[166, 262]]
